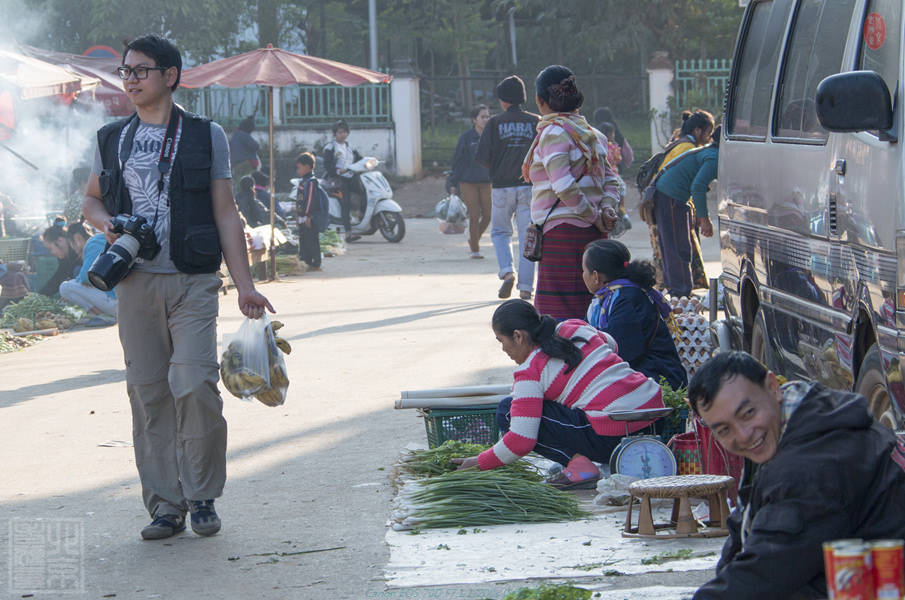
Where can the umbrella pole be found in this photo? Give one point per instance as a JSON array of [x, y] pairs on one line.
[[273, 256]]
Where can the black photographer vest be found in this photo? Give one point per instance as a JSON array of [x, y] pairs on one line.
[[194, 242]]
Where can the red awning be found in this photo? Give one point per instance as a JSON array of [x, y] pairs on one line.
[[110, 91], [278, 68], [32, 78]]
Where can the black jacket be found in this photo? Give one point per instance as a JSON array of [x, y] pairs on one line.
[[504, 144], [643, 337], [836, 474], [464, 167]]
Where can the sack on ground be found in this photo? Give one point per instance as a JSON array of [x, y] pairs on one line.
[[253, 365]]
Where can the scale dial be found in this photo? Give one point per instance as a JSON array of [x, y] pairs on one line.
[[643, 456]]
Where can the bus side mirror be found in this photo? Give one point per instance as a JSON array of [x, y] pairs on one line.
[[854, 101]]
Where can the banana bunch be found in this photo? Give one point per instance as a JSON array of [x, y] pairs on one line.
[[237, 378], [275, 394]]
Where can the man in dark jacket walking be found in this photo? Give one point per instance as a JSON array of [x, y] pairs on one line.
[[823, 470], [502, 149]]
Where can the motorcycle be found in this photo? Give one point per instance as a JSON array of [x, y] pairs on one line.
[[382, 212]]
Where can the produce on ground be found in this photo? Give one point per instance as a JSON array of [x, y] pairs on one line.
[[243, 382], [472, 498], [331, 243], [550, 592], [436, 461], [36, 311], [11, 343]]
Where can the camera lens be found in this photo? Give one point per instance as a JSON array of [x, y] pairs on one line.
[[110, 267]]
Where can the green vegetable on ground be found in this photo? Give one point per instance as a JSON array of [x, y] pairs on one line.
[[436, 461], [659, 559], [28, 307], [550, 592], [472, 498]]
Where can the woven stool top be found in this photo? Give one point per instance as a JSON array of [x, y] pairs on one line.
[[676, 486]]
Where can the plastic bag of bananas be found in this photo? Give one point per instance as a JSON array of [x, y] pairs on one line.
[[253, 365]]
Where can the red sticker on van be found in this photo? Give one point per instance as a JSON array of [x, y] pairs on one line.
[[874, 31]]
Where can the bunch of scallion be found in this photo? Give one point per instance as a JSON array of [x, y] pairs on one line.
[[437, 461], [473, 498]]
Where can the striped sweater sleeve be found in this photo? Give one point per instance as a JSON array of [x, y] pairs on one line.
[[525, 416]]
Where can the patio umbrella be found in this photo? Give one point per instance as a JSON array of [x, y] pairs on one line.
[[274, 67], [109, 92], [32, 78]]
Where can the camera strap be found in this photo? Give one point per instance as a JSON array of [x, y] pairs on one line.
[[168, 148]]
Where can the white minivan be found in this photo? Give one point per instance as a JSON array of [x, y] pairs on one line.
[[811, 196]]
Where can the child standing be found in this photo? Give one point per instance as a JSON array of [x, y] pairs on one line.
[[308, 209]]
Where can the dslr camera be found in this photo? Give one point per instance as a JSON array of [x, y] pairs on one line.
[[137, 240]]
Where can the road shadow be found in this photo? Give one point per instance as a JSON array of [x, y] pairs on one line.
[[388, 322], [30, 392]]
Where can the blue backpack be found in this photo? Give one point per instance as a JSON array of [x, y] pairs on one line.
[[321, 219]]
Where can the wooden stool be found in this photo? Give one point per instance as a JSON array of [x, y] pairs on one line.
[[713, 488]]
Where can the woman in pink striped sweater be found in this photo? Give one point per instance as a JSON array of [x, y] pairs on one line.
[[574, 192], [568, 379]]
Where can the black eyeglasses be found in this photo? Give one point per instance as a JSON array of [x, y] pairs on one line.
[[125, 73]]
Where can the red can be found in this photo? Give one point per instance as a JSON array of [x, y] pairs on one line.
[[852, 572], [829, 548], [888, 569]]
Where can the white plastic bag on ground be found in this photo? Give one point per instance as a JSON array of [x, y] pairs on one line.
[[613, 490]]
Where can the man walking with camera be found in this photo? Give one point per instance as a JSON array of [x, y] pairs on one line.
[[171, 169]]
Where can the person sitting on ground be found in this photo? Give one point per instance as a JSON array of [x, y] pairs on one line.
[[823, 470], [13, 283], [78, 290], [568, 379], [626, 306], [262, 194], [254, 212], [54, 238]]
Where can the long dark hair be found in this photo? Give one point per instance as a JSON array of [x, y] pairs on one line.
[[518, 314], [613, 259], [556, 86]]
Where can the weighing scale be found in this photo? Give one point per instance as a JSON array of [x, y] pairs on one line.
[[642, 456]]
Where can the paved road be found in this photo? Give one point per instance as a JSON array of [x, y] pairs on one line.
[[307, 498]]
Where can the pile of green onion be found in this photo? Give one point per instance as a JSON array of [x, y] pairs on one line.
[[437, 461], [473, 498]]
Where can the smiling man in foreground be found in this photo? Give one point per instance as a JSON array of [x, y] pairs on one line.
[[823, 470]]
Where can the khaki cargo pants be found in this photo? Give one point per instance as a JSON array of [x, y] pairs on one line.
[[168, 330]]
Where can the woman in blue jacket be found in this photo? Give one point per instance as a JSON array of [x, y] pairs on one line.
[[471, 181], [686, 176], [626, 306]]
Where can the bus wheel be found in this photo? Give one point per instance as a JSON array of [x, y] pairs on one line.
[[872, 385], [760, 343]]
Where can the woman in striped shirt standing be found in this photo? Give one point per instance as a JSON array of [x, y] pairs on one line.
[[574, 192], [568, 379]]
